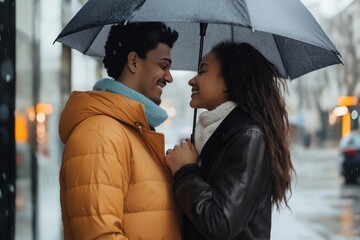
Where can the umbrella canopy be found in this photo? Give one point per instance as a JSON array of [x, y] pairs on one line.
[[284, 31]]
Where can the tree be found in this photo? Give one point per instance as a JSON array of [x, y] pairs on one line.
[[348, 42]]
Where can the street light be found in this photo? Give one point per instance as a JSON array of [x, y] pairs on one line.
[[341, 111], [344, 102]]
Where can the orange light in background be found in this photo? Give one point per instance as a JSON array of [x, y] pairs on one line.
[[21, 132], [346, 124], [343, 102], [171, 111], [332, 118], [347, 221], [347, 101], [44, 108], [340, 111]]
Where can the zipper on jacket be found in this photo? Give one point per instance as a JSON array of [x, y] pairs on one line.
[[138, 125]]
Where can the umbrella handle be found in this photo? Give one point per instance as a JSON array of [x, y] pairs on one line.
[[193, 129], [203, 27]]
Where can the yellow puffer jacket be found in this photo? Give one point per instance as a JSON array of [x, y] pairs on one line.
[[114, 183]]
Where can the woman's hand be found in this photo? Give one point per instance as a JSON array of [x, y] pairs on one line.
[[181, 155]]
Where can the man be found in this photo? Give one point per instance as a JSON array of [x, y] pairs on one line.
[[114, 183]]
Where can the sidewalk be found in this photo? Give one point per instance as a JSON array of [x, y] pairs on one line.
[[316, 203]]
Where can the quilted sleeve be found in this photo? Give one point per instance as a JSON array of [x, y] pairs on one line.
[[94, 177]]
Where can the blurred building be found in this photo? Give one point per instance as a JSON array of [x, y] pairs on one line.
[[46, 73], [314, 96]]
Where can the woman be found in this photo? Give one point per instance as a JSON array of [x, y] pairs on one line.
[[244, 166]]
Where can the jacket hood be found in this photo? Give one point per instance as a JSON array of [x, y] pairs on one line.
[[83, 105]]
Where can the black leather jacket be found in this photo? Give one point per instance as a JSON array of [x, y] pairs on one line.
[[229, 196]]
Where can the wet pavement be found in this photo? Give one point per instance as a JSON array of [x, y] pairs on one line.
[[49, 219], [322, 206]]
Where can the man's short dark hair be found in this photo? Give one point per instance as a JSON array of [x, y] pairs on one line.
[[138, 37]]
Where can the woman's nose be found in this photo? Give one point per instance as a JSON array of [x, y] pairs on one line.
[[191, 81]]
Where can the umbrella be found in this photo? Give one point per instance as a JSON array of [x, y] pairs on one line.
[[284, 31]]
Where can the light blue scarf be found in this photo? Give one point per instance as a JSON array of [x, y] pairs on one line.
[[154, 114]]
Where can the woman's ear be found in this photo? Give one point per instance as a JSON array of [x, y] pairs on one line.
[[131, 61], [225, 88]]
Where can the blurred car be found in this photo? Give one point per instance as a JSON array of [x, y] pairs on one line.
[[349, 146]]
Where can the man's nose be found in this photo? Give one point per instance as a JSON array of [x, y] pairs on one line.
[[168, 77]]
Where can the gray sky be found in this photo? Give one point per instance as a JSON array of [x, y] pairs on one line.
[[327, 8]]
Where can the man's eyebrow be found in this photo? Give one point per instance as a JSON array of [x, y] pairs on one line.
[[167, 59]]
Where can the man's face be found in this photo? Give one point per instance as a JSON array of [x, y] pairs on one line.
[[153, 73]]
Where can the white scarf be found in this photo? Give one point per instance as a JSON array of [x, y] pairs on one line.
[[209, 121]]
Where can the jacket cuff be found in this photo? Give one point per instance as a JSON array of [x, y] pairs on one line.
[[188, 168]]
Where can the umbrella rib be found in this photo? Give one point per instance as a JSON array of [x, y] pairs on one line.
[[249, 19], [282, 62], [136, 10]]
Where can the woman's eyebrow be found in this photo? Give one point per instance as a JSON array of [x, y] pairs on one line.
[[203, 64]]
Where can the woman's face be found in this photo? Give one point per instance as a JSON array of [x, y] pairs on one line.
[[208, 86]]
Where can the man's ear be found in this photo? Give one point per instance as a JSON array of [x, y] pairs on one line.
[[131, 61]]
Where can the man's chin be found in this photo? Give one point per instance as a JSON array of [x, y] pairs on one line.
[[157, 101]]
